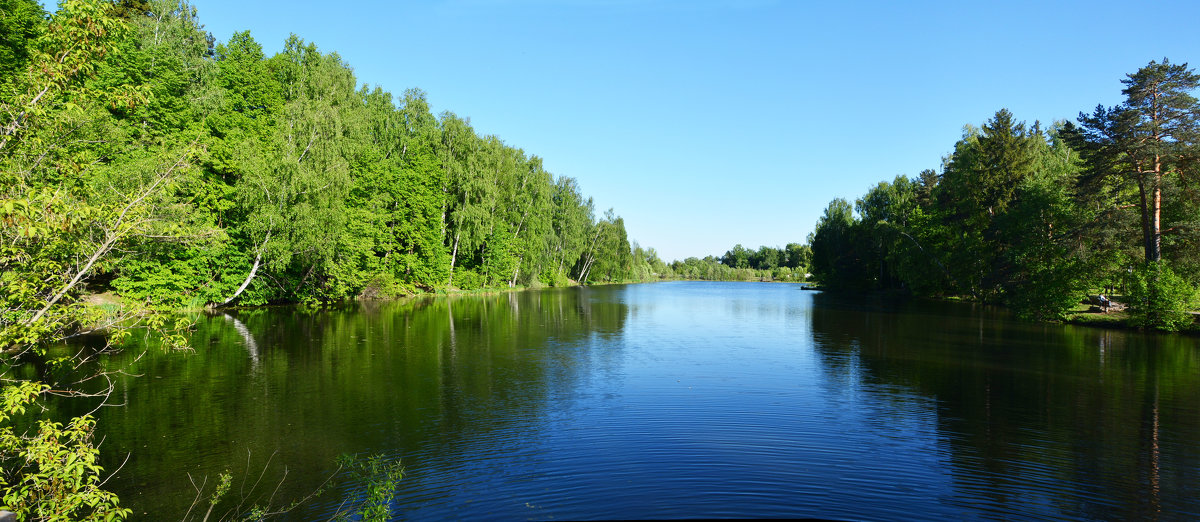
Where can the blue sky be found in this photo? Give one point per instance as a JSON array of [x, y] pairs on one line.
[[707, 123]]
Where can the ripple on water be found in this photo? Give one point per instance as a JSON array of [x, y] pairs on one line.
[[690, 400]]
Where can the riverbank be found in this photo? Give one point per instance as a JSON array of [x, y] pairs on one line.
[[113, 303], [1080, 315], [1119, 320]]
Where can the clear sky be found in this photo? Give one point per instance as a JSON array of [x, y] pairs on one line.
[[707, 123]]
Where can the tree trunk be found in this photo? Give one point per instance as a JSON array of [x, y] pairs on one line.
[[562, 259], [453, 256], [99, 253], [117, 231], [587, 265], [591, 255], [253, 272], [513, 282], [1144, 207], [304, 279], [1154, 252]]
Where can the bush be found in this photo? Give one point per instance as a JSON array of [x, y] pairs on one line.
[[551, 277], [384, 286], [1159, 298], [467, 279]]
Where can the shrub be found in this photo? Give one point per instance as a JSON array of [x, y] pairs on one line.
[[1159, 298], [467, 279]]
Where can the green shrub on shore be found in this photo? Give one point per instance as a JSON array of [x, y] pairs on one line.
[[1160, 299]]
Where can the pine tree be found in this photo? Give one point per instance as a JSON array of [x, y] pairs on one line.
[[1146, 138]]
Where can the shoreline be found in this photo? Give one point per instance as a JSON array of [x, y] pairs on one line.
[[1117, 320]]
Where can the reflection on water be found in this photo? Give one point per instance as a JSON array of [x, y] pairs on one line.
[[671, 400], [1040, 420]]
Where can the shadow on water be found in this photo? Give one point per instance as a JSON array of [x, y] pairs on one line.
[[668, 400], [289, 391], [1038, 420]]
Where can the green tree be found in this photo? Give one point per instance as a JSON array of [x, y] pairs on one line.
[[292, 191], [834, 243], [169, 57], [424, 256], [1147, 139], [527, 204], [797, 256], [609, 257], [69, 208], [567, 238], [470, 194], [886, 211], [737, 257], [394, 207], [1050, 266], [979, 182], [21, 24], [766, 258], [1006, 157]]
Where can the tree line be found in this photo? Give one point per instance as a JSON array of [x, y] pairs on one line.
[[739, 263], [139, 156], [1037, 219]]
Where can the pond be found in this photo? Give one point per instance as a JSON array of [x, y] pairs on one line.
[[666, 400]]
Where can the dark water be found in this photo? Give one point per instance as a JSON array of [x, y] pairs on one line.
[[670, 400]]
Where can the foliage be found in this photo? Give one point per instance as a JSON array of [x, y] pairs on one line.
[[712, 269], [51, 474], [1147, 141], [379, 477], [21, 23], [794, 256], [1048, 273], [467, 279], [837, 249], [1160, 299], [1036, 219], [140, 158], [257, 178], [375, 478]]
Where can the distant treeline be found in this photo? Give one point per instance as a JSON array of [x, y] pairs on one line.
[[139, 156], [1038, 218], [737, 264]]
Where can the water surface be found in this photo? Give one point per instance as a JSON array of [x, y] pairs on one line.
[[671, 400]]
